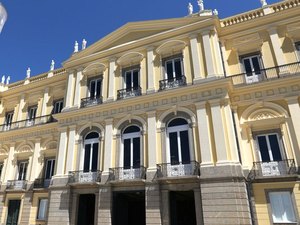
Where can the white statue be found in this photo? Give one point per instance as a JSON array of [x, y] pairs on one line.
[[190, 9], [215, 12], [84, 44], [201, 5], [76, 46], [263, 3], [3, 79], [28, 73], [52, 65], [7, 80]]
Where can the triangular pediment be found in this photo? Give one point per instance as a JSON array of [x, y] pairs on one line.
[[135, 31]]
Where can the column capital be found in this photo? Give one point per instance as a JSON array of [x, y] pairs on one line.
[[62, 129], [112, 59], [193, 35], [214, 102], [272, 30], [292, 99], [200, 105], [71, 71], [206, 32], [109, 121], [150, 48], [151, 113], [72, 127]]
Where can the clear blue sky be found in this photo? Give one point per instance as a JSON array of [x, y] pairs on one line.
[[40, 30]]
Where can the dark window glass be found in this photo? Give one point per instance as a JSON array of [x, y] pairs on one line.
[[32, 113], [178, 71], [184, 144], [256, 66], [263, 147], [98, 90], [131, 129], [136, 152], [174, 148], [248, 67], [95, 157], [50, 165], [177, 122], [128, 80], [170, 70], [22, 170], [127, 156], [87, 157], [275, 147], [135, 79], [58, 106], [93, 87], [8, 118], [1, 168], [92, 135]]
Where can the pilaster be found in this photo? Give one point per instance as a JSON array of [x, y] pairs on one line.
[[277, 46], [70, 90], [35, 168], [152, 160], [108, 147], [150, 70], [78, 88], [111, 79], [71, 149], [62, 153], [195, 57], [45, 101], [208, 48]]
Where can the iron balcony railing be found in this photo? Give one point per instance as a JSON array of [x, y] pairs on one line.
[[85, 176], [121, 173], [90, 101], [273, 168], [129, 92], [41, 183], [172, 83], [266, 74], [27, 123], [178, 169], [16, 184]]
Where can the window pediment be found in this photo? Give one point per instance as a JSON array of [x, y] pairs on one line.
[[171, 47], [131, 58], [95, 68]]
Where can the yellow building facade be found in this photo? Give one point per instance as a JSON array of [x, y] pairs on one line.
[[183, 121]]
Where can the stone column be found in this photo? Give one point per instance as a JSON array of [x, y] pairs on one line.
[[165, 207], [105, 205], [224, 53], [45, 101], [219, 132], [150, 70], [62, 152], [198, 206], [35, 167], [78, 88], [111, 79], [151, 121], [70, 91], [108, 147], [195, 58], [293, 104], [217, 50], [209, 58], [152, 195], [277, 46], [26, 207], [204, 135], [71, 149], [10, 167]]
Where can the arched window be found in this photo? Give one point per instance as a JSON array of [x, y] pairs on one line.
[[178, 150], [91, 148], [131, 152]]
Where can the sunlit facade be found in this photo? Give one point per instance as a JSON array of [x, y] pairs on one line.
[[185, 121]]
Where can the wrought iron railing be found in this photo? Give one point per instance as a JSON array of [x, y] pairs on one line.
[[266, 74], [273, 169], [27, 123], [85, 176], [16, 184], [41, 183], [90, 101], [131, 173], [129, 92], [178, 169], [172, 83]]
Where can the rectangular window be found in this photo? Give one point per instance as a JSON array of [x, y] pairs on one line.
[[1, 168], [42, 211], [58, 106], [269, 147], [252, 67], [9, 118], [49, 171], [22, 170], [32, 112], [95, 88], [131, 79], [174, 68], [282, 207]]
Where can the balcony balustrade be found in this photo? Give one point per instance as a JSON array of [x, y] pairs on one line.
[[178, 169], [90, 101], [273, 169], [120, 173], [172, 83], [16, 184], [42, 183], [27, 123], [129, 92], [266, 74], [85, 176]]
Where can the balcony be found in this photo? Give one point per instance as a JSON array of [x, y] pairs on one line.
[[129, 92], [272, 73], [83, 177], [172, 83], [41, 183], [121, 174], [178, 170], [273, 169], [16, 185], [27, 123], [90, 101]]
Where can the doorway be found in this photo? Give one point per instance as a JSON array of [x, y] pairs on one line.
[[182, 208], [13, 212], [86, 210]]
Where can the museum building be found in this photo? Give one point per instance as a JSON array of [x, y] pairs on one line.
[[183, 121]]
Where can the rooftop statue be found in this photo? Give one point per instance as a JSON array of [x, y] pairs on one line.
[[215, 12], [190, 9], [201, 5], [7, 80], [52, 65], [28, 73], [3, 79], [84, 42], [3, 16], [76, 47], [263, 3]]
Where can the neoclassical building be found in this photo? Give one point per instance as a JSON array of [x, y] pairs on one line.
[[184, 121]]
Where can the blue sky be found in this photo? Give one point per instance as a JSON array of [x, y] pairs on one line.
[[38, 31]]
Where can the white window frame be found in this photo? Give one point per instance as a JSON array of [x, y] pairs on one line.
[[91, 141], [281, 206], [131, 71], [58, 106], [90, 87], [172, 60], [51, 167], [9, 118], [43, 204], [178, 129], [254, 77], [25, 163], [131, 136], [269, 146]]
